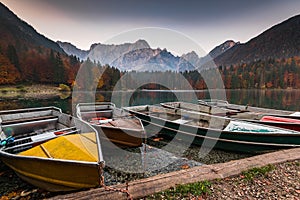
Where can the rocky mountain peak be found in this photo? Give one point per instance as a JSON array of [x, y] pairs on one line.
[[222, 48]]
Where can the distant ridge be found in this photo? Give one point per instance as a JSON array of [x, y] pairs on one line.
[[26, 56], [106, 54], [71, 49], [207, 61], [17, 32], [148, 59], [280, 41]]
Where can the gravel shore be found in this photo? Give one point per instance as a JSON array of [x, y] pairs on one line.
[[283, 182], [280, 181]]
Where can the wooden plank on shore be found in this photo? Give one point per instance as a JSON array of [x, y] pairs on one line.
[[148, 186]]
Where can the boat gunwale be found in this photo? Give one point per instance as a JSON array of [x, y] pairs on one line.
[[237, 105], [168, 105], [117, 128], [226, 140], [27, 110], [9, 155], [59, 116], [78, 114]]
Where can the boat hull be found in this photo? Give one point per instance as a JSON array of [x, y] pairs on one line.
[[288, 121], [120, 136], [216, 143], [244, 142], [54, 175]]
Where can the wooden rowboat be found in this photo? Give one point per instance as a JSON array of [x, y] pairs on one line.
[[116, 125], [50, 149], [271, 119], [227, 134]]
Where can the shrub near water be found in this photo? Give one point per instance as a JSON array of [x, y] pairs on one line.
[[64, 88], [21, 88]]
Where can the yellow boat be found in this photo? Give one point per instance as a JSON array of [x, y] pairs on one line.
[[51, 150]]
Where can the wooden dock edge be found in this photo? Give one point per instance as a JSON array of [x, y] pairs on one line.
[[143, 187]]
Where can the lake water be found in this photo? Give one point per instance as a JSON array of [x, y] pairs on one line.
[[279, 99]]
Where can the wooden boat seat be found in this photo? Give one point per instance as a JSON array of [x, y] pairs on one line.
[[28, 126], [99, 113], [87, 108], [124, 123], [22, 120], [57, 132], [28, 142], [247, 115]]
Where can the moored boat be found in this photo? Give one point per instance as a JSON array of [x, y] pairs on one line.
[[247, 108], [227, 134], [113, 124], [50, 149], [276, 118]]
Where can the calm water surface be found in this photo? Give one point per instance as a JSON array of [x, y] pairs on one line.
[[279, 99]]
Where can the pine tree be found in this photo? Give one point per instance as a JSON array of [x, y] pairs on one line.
[[59, 72], [11, 53]]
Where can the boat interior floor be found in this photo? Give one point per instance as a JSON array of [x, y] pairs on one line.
[[206, 122]]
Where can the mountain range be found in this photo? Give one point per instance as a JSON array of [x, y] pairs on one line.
[[280, 41], [139, 56]]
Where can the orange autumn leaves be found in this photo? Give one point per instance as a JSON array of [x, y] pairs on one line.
[[8, 72]]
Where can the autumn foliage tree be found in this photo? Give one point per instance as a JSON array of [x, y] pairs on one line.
[[47, 66], [9, 74]]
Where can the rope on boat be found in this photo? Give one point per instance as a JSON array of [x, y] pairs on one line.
[[7, 141], [110, 188]]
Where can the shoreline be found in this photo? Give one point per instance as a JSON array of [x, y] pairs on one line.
[[37, 91], [49, 91]]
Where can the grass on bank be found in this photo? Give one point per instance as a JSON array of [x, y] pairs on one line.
[[34, 88], [203, 188], [184, 191], [18, 88], [257, 172]]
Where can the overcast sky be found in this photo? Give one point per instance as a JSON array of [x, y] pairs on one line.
[[207, 23]]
